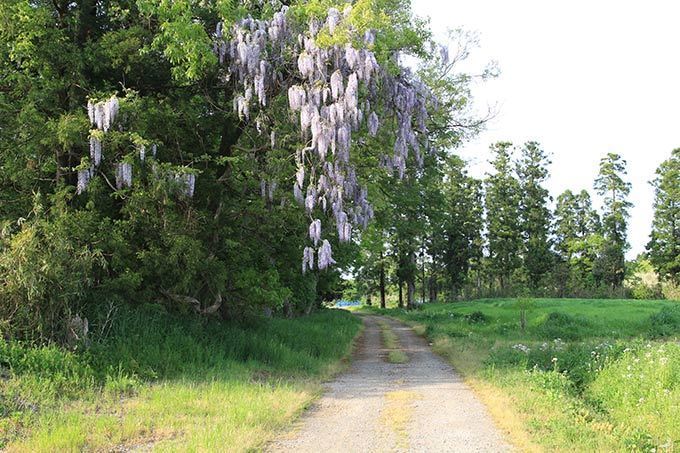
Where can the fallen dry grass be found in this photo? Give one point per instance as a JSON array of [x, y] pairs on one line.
[[397, 414]]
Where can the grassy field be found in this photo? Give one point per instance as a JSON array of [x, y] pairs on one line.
[[165, 383], [582, 375]]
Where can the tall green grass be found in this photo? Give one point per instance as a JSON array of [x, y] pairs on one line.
[[583, 375], [163, 380]]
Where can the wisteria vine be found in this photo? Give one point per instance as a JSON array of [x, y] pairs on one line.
[[327, 98], [102, 115]]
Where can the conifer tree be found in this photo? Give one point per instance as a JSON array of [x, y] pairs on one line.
[[577, 236], [610, 184], [534, 213], [502, 205], [462, 225], [664, 244]]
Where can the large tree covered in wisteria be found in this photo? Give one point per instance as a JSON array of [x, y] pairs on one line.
[[219, 157], [338, 94]]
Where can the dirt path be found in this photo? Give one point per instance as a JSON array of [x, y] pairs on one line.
[[421, 405]]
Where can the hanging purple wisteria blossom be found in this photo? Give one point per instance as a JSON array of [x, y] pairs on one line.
[[336, 84], [267, 189], [333, 20], [297, 193], [189, 180], [103, 114], [310, 200], [271, 188], [373, 124], [325, 255], [84, 177], [263, 189], [186, 182], [123, 175], [300, 176], [326, 96], [444, 54], [95, 150], [307, 259], [315, 231]]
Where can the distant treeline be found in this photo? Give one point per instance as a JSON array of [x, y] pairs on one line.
[[444, 235]]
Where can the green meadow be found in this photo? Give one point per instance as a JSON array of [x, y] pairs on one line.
[[566, 374]]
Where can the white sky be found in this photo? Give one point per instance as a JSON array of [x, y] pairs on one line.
[[581, 77]]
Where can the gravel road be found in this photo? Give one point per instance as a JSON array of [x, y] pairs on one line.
[[421, 405]]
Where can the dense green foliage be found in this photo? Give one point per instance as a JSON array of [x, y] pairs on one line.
[[610, 268], [503, 198], [229, 247], [148, 350], [664, 246], [534, 213], [596, 375], [502, 235]]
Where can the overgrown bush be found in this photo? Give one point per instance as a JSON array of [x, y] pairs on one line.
[[69, 261], [47, 269], [670, 290], [580, 363], [477, 317], [562, 325], [665, 323]]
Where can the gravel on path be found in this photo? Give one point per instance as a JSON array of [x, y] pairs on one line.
[[422, 405]]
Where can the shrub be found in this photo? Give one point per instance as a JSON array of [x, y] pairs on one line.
[[46, 272], [477, 317], [562, 325], [670, 290], [665, 323], [580, 363], [524, 306]]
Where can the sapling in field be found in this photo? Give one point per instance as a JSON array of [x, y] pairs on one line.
[[524, 305]]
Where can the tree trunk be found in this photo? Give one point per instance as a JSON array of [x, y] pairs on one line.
[[288, 309], [401, 294], [382, 281], [433, 288], [411, 293], [422, 300]]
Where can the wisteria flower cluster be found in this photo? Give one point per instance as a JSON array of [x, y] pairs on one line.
[[102, 116], [327, 99]]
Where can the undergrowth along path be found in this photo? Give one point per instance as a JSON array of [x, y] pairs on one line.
[[420, 405]]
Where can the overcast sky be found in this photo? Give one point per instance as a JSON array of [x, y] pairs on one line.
[[583, 78]]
